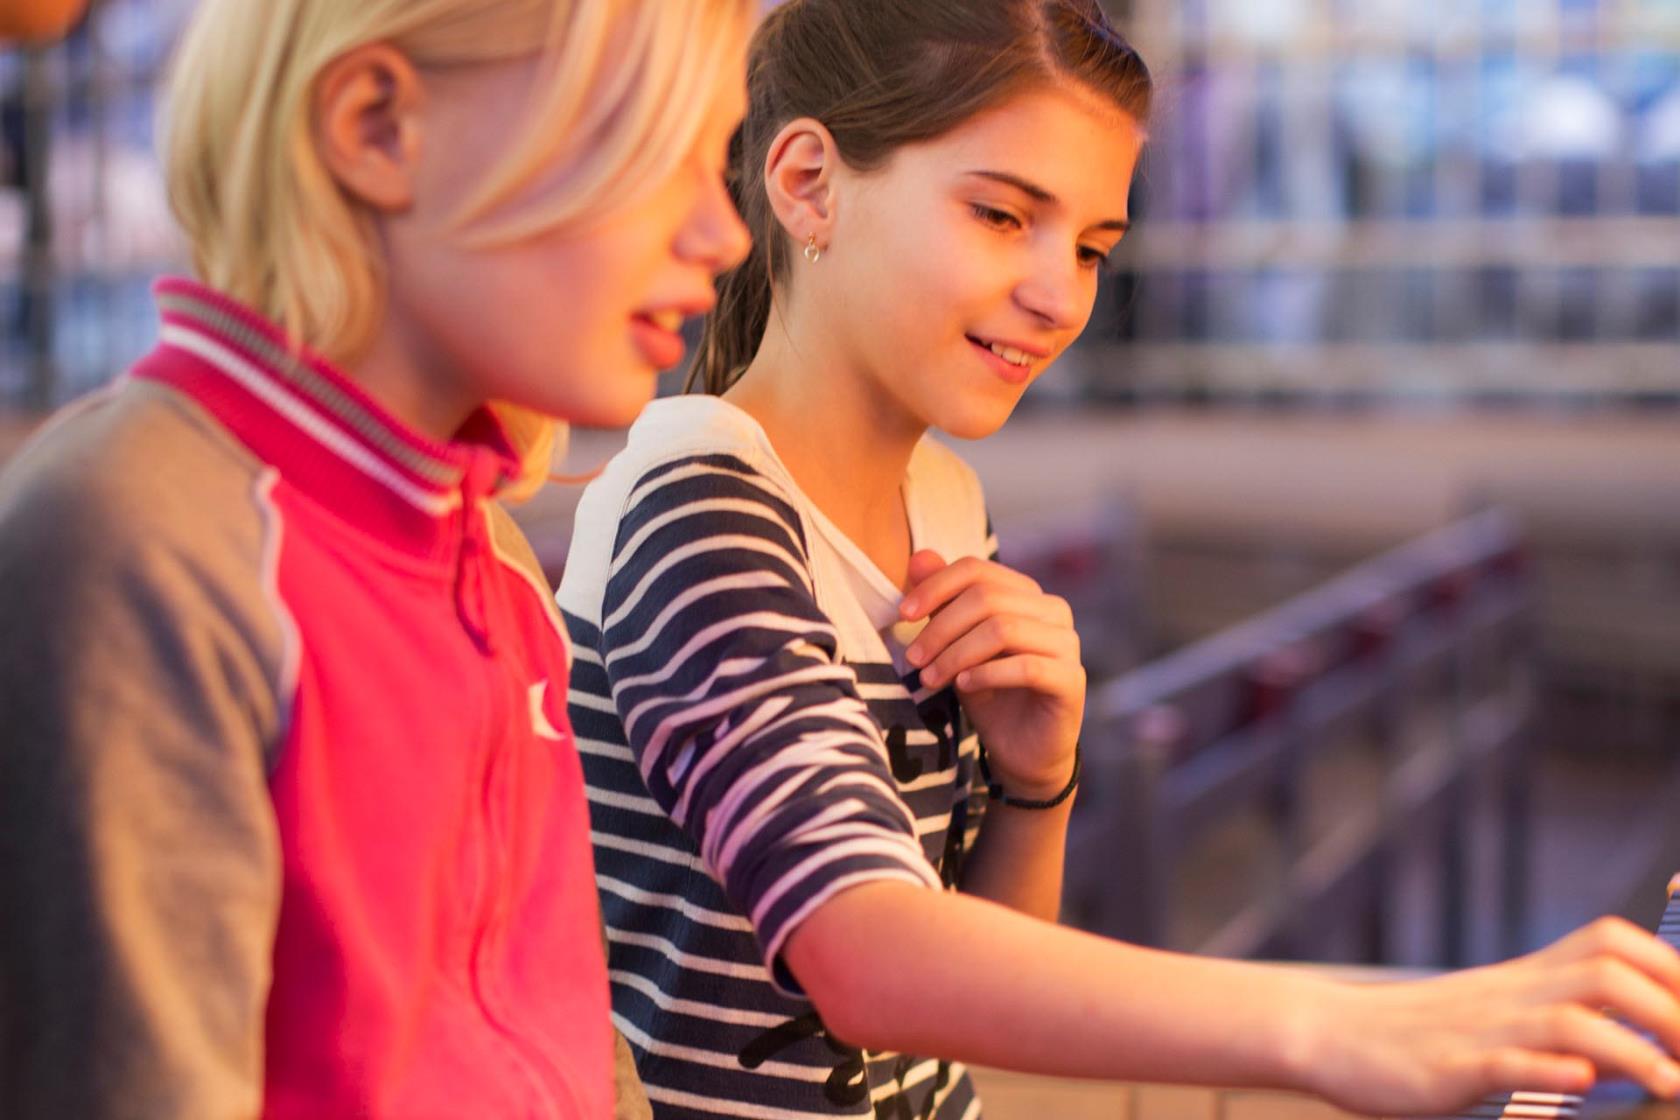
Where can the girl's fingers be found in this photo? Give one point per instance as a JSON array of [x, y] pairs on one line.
[[1515, 1069], [973, 608], [999, 637], [923, 564], [1622, 940], [1031, 671], [955, 578], [1572, 1029], [1611, 983]]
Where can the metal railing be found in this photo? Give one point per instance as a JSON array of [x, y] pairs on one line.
[[1375, 201], [1419, 660], [84, 226]]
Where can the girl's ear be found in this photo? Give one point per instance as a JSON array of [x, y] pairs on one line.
[[367, 105], [799, 178]]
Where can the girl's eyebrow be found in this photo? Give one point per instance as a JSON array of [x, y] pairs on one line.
[[1040, 194]]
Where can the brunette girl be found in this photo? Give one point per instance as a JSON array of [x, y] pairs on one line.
[[791, 642]]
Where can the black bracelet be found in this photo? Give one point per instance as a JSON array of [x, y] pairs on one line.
[[997, 794]]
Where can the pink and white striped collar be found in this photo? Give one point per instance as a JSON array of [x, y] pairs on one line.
[[308, 419]]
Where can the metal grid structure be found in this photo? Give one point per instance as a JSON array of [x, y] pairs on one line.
[[1342, 199], [84, 226], [1377, 199]]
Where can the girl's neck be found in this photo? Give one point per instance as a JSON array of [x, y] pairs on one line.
[[847, 445], [424, 398]]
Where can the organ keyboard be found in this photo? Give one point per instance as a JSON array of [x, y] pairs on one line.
[[1612, 1100]]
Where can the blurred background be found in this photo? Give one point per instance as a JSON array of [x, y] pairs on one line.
[[1364, 480]]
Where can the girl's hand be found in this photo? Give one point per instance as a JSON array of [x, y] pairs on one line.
[[1013, 653], [1536, 1023]]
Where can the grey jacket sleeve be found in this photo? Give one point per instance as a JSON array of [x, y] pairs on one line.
[[139, 857]]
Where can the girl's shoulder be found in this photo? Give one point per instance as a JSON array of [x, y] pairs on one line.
[[691, 429], [677, 445], [129, 474]]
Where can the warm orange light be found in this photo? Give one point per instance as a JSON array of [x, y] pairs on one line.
[[35, 20]]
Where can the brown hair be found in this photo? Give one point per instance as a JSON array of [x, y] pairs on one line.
[[881, 74]]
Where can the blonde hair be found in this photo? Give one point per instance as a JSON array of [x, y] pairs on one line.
[[621, 102]]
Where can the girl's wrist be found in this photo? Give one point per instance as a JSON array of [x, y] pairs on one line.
[[1307, 1040], [1040, 792]]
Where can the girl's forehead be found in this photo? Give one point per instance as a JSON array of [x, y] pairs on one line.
[[1075, 146], [1040, 118]]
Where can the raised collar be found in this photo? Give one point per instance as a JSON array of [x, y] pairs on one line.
[[318, 429]]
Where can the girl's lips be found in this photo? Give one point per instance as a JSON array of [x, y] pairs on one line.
[[1008, 371], [661, 347]]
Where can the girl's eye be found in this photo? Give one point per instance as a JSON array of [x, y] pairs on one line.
[[1092, 258], [992, 216]]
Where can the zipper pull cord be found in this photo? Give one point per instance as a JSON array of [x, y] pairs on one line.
[[472, 557]]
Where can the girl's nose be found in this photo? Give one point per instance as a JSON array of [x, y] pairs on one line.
[[1057, 294], [715, 234]]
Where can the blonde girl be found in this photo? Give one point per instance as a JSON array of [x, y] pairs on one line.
[[291, 820], [791, 642]]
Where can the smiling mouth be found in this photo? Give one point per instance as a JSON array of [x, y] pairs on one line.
[[1008, 353], [665, 320]]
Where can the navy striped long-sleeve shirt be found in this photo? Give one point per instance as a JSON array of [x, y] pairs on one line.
[[754, 743]]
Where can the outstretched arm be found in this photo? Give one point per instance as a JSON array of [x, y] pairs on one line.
[[893, 967]]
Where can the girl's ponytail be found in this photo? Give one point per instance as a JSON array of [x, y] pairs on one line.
[[733, 330]]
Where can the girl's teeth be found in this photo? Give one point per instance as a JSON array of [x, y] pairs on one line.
[[1011, 355], [666, 320]]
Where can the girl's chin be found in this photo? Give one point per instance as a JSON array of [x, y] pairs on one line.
[[975, 423], [601, 409]]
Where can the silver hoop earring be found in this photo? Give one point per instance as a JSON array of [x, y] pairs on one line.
[[812, 253]]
